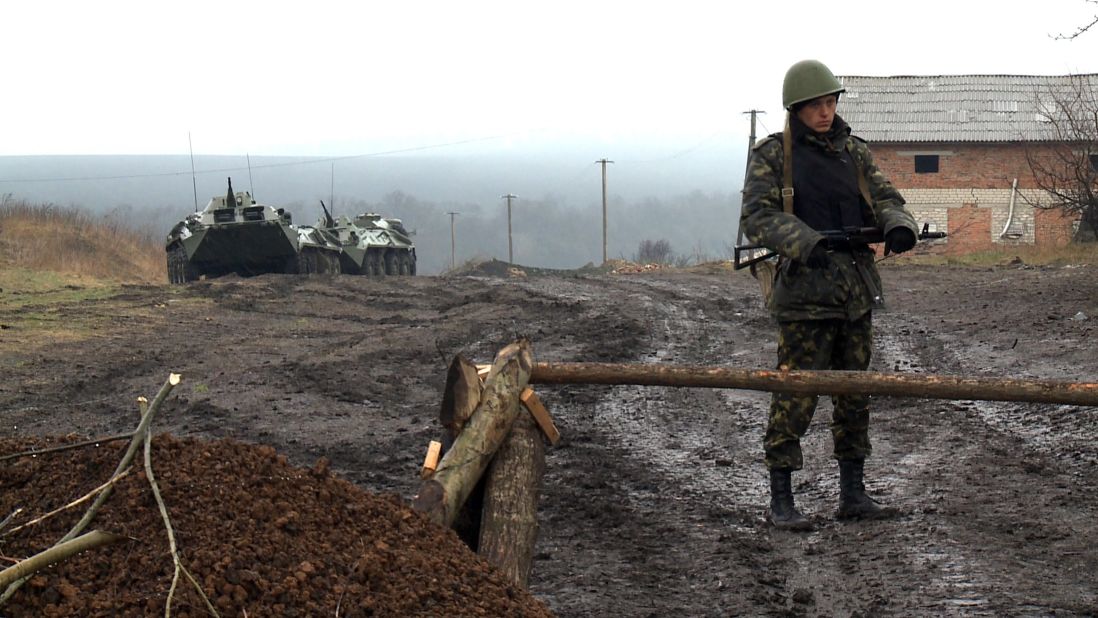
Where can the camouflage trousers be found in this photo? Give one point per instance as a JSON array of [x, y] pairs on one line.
[[820, 344]]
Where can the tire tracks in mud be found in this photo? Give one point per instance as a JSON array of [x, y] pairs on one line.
[[681, 466], [687, 462], [905, 565], [963, 475]]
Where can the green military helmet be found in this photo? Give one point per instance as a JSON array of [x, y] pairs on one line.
[[807, 80]]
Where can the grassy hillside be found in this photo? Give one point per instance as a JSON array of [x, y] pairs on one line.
[[43, 245]]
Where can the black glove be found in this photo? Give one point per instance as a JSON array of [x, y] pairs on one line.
[[898, 240], [818, 257]]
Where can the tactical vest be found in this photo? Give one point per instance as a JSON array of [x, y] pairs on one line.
[[767, 271], [787, 170]]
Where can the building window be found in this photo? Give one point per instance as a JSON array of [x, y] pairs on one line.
[[1094, 162], [926, 164]]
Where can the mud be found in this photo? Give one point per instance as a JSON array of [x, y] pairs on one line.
[[654, 501]]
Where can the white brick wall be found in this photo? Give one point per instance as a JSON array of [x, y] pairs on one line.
[[933, 206]]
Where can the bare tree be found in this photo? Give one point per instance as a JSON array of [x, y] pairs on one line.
[[1065, 161], [1080, 30], [654, 252]]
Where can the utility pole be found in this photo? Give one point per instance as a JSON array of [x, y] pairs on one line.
[[603, 162], [510, 253], [452, 215]]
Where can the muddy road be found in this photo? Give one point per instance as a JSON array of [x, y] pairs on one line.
[[654, 500]]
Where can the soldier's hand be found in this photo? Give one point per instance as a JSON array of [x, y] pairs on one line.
[[818, 257], [898, 240]]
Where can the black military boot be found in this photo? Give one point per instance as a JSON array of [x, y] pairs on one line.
[[783, 513], [853, 502]]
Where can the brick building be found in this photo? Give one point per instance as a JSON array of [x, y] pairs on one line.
[[955, 146]]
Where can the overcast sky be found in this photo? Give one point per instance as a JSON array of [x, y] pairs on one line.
[[352, 78]]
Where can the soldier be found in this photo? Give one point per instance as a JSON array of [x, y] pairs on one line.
[[816, 176]]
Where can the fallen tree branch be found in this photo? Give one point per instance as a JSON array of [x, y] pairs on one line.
[[25, 568], [7, 520], [142, 427], [77, 502], [168, 526], [67, 447]]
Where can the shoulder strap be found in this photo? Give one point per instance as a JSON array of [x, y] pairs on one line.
[[863, 184], [787, 167]]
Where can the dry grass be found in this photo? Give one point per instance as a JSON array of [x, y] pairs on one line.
[[1072, 254], [76, 244]]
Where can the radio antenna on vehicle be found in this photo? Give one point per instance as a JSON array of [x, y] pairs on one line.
[[194, 183], [251, 187]]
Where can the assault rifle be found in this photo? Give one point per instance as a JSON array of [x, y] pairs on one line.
[[843, 239]]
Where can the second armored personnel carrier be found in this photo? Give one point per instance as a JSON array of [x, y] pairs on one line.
[[372, 245], [235, 234]]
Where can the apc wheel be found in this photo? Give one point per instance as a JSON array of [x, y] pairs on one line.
[[173, 277], [180, 269], [371, 264], [391, 266], [404, 264], [306, 262], [329, 263]]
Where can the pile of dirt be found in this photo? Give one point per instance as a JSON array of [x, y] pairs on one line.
[[262, 537], [500, 268]]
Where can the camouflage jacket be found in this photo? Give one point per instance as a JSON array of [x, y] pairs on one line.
[[848, 286]]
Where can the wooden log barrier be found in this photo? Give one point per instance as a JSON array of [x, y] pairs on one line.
[[441, 496], [459, 400], [926, 386], [509, 519]]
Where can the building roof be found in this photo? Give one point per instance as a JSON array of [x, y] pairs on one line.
[[957, 108]]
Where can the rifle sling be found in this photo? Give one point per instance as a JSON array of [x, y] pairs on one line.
[[787, 167]]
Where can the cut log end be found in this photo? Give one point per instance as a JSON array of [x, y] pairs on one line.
[[461, 395], [431, 501]]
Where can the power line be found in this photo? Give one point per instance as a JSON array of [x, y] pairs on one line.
[[765, 128], [268, 165], [679, 153]]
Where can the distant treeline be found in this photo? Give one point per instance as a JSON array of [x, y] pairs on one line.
[[556, 220], [698, 227]]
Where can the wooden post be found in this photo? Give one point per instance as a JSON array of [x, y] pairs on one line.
[[509, 521], [806, 382], [441, 496]]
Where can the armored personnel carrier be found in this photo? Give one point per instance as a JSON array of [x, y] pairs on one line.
[[235, 234], [372, 245]]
